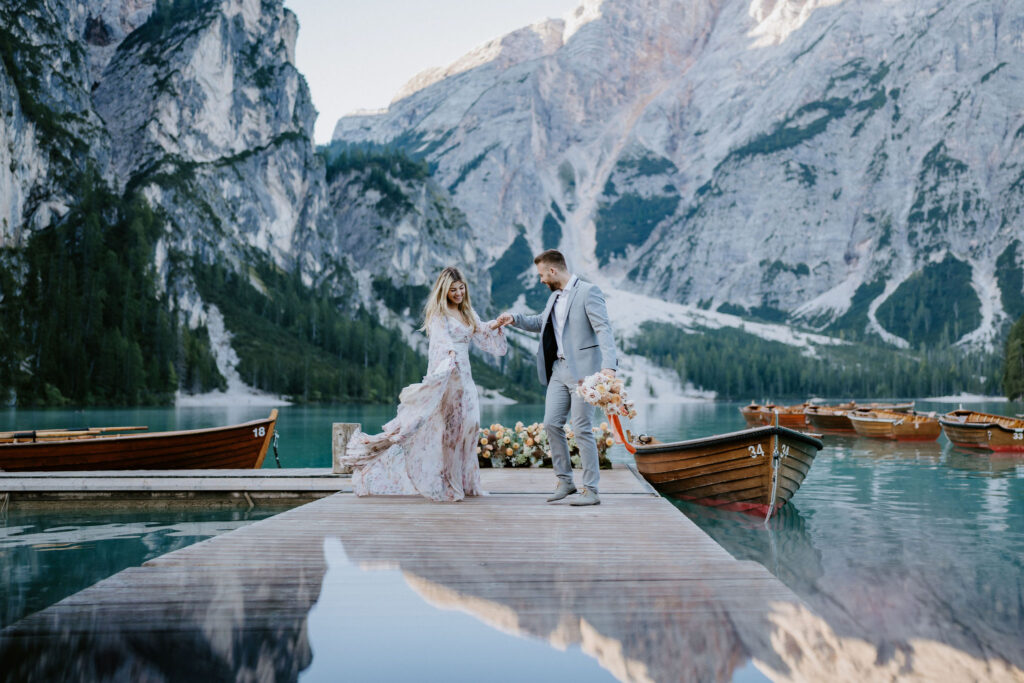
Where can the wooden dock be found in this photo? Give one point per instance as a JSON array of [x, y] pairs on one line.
[[633, 583]]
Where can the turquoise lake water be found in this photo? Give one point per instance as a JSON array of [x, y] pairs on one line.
[[892, 543]]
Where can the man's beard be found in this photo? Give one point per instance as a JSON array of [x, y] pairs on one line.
[[552, 286]]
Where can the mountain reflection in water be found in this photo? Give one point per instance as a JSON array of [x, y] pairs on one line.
[[412, 589], [913, 550]]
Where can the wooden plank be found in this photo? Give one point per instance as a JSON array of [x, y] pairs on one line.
[[633, 582], [515, 480]]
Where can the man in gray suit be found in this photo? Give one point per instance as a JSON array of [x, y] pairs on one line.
[[576, 341]]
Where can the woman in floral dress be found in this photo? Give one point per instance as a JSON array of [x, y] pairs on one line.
[[429, 449]]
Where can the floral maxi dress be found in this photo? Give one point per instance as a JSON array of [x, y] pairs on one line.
[[429, 448]]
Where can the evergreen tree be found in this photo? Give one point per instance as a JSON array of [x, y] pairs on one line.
[[1013, 366]]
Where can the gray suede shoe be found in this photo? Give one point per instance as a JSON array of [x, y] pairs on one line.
[[586, 497], [563, 489]]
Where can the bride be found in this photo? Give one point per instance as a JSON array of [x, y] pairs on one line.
[[430, 447]]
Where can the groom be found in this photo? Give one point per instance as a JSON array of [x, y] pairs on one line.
[[576, 341]]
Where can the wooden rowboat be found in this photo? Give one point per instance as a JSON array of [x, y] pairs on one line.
[[971, 429], [831, 419], [891, 424], [241, 446], [757, 414], [836, 419], [755, 470]]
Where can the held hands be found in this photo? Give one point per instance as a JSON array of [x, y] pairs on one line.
[[502, 320]]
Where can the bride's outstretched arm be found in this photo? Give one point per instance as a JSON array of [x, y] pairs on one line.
[[491, 338]]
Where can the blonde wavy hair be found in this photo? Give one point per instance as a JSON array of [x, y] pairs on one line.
[[437, 302]]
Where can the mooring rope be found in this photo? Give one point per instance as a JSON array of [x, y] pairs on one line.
[[276, 436], [776, 461]]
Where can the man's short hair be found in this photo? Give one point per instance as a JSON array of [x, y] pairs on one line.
[[551, 257]]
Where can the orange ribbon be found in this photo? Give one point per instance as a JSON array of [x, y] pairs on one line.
[[614, 419]]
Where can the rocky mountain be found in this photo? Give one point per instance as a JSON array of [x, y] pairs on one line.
[[850, 165], [190, 120]]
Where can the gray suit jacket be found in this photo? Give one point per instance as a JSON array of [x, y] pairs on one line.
[[587, 340]]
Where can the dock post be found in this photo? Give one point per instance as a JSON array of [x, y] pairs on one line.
[[340, 435]]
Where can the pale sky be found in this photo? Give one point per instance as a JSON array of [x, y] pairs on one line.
[[356, 54]]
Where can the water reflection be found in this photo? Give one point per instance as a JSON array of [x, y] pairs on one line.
[[634, 627], [224, 617], [912, 551], [383, 624], [47, 555], [384, 589]]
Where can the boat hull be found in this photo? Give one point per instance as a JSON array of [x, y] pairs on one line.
[[789, 416], [836, 423], [967, 429], [242, 446], [904, 428], [730, 471]]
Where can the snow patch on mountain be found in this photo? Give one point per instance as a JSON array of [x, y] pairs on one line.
[[237, 392], [778, 19], [628, 311]]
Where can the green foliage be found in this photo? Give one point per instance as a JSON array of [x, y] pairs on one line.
[[629, 221], [342, 159], [505, 284], [537, 297], [763, 312], [471, 166], [993, 72], [741, 366], [298, 341], [551, 232], [934, 306], [853, 323], [788, 135], [399, 299], [646, 165], [1011, 280], [1013, 365], [168, 19], [87, 325], [567, 176], [379, 169], [515, 376], [772, 269], [802, 173], [24, 66], [557, 212], [200, 368]]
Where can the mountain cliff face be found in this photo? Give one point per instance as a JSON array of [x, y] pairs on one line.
[[853, 165], [190, 122]]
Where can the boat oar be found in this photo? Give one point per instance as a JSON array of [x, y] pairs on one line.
[[67, 432]]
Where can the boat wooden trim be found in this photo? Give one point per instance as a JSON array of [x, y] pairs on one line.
[[832, 419], [732, 471], [241, 446], [971, 429], [758, 415], [894, 425], [835, 419]]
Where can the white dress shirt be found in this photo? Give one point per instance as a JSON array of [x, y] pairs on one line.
[[561, 310]]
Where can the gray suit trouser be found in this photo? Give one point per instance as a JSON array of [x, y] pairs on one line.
[[561, 402]]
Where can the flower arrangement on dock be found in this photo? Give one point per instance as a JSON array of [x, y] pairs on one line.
[[527, 446]]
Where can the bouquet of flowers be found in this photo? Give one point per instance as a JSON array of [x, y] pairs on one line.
[[527, 446], [607, 393]]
